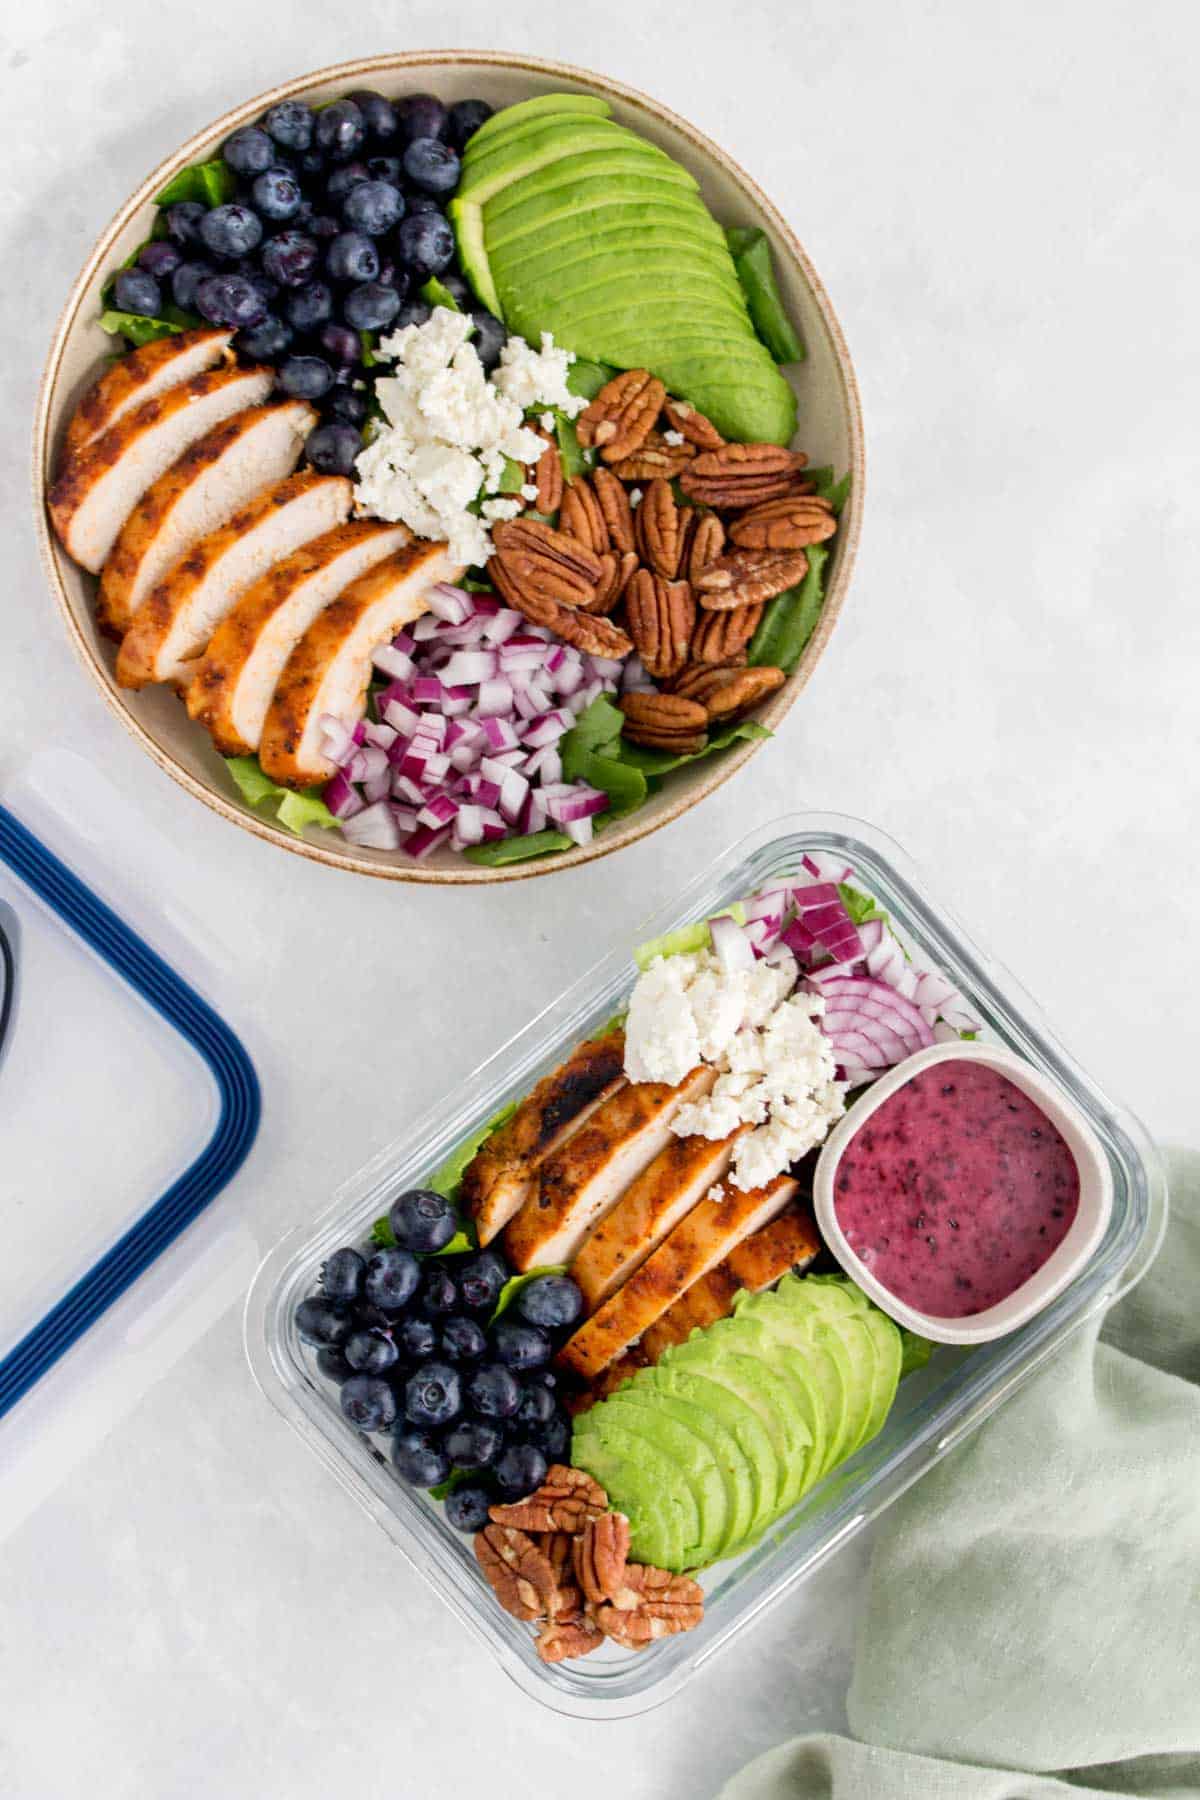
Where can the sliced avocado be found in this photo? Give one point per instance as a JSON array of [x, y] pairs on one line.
[[749, 1382], [889, 1355], [844, 1311], [807, 1387], [756, 1472], [652, 1416], [643, 1484], [698, 298], [727, 1453], [790, 1332], [525, 152], [617, 154], [512, 118], [545, 214], [788, 1398], [468, 229], [604, 250]]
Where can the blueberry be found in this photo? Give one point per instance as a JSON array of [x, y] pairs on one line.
[[466, 116], [352, 257], [431, 166], [373, 207], [277, 195], [426, 243], [290, 124], [308, 308], [249, 151], [463, 1340], [310, 164], [433, 1394], [347, 406], [420, 116], [291, 258], [385, 168], [350, 175], [159, 259], [422, 1220], [341, 130], [417, 1338], [371, 1352], [439, 1292], [321, 1322], [342, 344], [229, 299], [537, 1403], [248, 267], [554, 1437], [520, 1346], [379, 115], [183, 222], [324, 227], [371, 307], [413, 312], [333, 1365], [551, 1301], [266, 340], [342, 1274], [417, 202], [494, 1391], [474, 1443], [481, 1277], [136, 291], [393, 277], [186, 280], [420, 1458], [490, 337], [520, 1469], [231, 231], [392, 1275], [368, 1402], [332, 448], [467, 1508]]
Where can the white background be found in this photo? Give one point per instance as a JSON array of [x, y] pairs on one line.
[[1001, 202]]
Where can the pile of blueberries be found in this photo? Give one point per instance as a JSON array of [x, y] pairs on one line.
[[409, 1337], [336, 222]]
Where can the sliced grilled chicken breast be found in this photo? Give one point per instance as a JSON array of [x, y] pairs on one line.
[[176, 619], [583, 1181], [140, 376], [330, 668], [99, 488], [705, 1238], [498, 1181], [649, 1208], [231, 688], [235, 460], [765, 1257]]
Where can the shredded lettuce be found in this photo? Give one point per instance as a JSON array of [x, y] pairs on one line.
[[686, 939], [791, 618], [447, 1180], [751, 254], [517, 849], [293, 810], [655, 763], [211, 183]]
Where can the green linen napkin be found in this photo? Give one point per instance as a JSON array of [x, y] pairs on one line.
[[1032, 1622]]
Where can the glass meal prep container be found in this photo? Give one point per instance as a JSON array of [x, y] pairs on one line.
[[935, 1408]]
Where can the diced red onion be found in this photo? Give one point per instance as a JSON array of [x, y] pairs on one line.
[[495, 698], [499, 734], [392, 662], [405, 788], [378, 787], [545, 765], [425, 840], [467, 668], [452, 604], [336, 741], [341, 798], [501, 625], [374, 828], [580, 802], [513, 791], [580, 831], [439, 810], [731, 946]]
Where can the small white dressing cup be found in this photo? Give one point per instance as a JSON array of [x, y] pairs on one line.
[[1060, 1267]]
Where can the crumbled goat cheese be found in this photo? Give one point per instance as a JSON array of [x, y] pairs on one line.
[[529, 490], [450, 432], [635, 497], [776, 1067], [547, 421], [674, 438]]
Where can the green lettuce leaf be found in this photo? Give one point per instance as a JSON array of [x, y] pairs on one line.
[[513, 478], [569, 452], [587, 378], [436, 293], [515, 1283], [751, 254], [447, 1180], [684, 940], [517, 849], [626, 787], [596, 728], [293, 810], [661, 762], [836, 492], [791, 617], [211, 183], [914, 1351], [860, 906], [136, 327]]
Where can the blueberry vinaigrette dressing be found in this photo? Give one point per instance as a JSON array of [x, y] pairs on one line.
[[956, 1189]]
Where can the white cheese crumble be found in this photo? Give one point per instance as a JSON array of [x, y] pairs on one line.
[[674, 438], [635, 497], [776, 1065], [450, 431]]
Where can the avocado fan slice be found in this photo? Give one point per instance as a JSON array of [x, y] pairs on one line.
[[512, 119], [669, 248], [748, 1382], [557, 216], [654, 1419], [799, 1378], [616, 156], [545, 142], [740, 1491], [889, 1346], [789, 1331], [753, 1473], [642, 1483]]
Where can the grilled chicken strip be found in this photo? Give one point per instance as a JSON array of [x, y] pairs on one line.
[[499, 1179], [230, 691], [576, 1187], [330, 668], [708, 1234], [175, 621], [649, 1208], [141, 376], [230, 464], [765, 1257], [99, 488]]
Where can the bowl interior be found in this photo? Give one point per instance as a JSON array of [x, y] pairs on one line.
[[830, 431]]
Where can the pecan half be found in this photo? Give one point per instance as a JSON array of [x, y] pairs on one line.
[[601, 1554], [584, 631], [659, 529], [618, 566], [561, 1639], [707, 543], [695, 427], [739, 475], [721, 637], [664, 722], [566, 1500], [581, 516], [787, 524], [519, 1571], [747, 577], [728, 693], [655, 458], [661, 615], [622, 415], [547, 475], [614, 504], [533, 562], [666, 1604]]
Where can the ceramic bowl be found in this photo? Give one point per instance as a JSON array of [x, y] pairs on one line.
[[1060, 1268], [825, 383]]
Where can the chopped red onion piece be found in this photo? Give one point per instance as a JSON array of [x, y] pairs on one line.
[[501, 626], [499, 734], [405, 788], [392, 662], [495, 697], [336, 739], [439, 810], [580, 802], [341, 798], [452, 604], [378, 787], [374, 828], [405, 817], [382, 737], [425, 840], [545, 765], [580, 831], [731, 946], [467, 668]]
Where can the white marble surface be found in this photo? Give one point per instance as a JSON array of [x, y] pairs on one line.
[[1000, 202]]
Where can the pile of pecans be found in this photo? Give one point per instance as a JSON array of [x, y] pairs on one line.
[[669, 547]]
